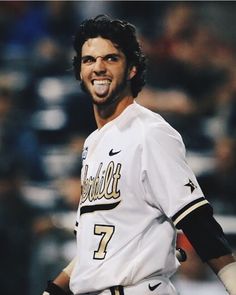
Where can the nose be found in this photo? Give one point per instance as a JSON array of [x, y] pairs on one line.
[[99, 66]]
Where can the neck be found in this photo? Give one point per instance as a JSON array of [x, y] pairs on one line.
[[107, 113]]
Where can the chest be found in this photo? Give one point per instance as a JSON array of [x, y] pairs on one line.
[[111, 167]]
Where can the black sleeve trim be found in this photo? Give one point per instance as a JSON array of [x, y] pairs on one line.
[[76, 228], [188, 209]]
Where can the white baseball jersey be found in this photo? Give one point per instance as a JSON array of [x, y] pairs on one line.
[[136, 186]]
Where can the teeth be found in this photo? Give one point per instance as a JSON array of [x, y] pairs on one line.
[[101, 82]]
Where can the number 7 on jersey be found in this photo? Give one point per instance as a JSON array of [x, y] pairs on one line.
[[106, 231]]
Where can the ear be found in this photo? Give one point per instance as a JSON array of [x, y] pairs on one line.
[[132, 72]]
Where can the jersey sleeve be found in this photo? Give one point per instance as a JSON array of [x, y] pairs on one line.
[[169, 182]]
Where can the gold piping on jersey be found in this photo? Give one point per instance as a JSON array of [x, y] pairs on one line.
[[98, 207], [188, 209]]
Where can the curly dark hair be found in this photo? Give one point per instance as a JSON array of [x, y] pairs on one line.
[[120, 33]]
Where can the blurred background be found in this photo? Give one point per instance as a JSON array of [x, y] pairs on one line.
[[44, 119]]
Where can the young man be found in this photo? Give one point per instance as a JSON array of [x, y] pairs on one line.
[[136, 186]]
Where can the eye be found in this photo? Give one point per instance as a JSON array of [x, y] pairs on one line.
[[110, 58], [87, 60]]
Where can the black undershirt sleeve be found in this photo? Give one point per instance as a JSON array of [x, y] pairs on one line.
[[204, 233]]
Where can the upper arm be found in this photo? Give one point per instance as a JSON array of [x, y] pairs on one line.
[[205, 234], [170, 182]]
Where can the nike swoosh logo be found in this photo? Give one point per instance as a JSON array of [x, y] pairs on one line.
[[112, 153], [152, 288]]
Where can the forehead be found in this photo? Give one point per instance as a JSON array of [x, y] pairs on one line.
[[99, 46]]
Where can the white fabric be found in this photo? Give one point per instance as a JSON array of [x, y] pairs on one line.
[[146, 172], [159, 286]]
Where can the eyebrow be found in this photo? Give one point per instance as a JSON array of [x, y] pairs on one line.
[[102, 56]]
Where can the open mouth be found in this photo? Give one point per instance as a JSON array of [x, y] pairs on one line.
[[101, 87]]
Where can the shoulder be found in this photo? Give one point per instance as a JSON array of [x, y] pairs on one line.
[[156, 129], [155, 124], [90, 137], [144, 118]]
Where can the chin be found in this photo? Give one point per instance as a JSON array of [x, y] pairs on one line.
[[100, 102]]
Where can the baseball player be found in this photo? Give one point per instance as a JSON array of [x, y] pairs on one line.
[[137, 188]]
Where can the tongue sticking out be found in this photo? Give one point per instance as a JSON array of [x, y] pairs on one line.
[[101, 89]]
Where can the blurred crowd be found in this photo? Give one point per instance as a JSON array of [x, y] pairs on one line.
[[45, 117]]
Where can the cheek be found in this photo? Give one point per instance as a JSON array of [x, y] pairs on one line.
[[121, 74], [84, 74]]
